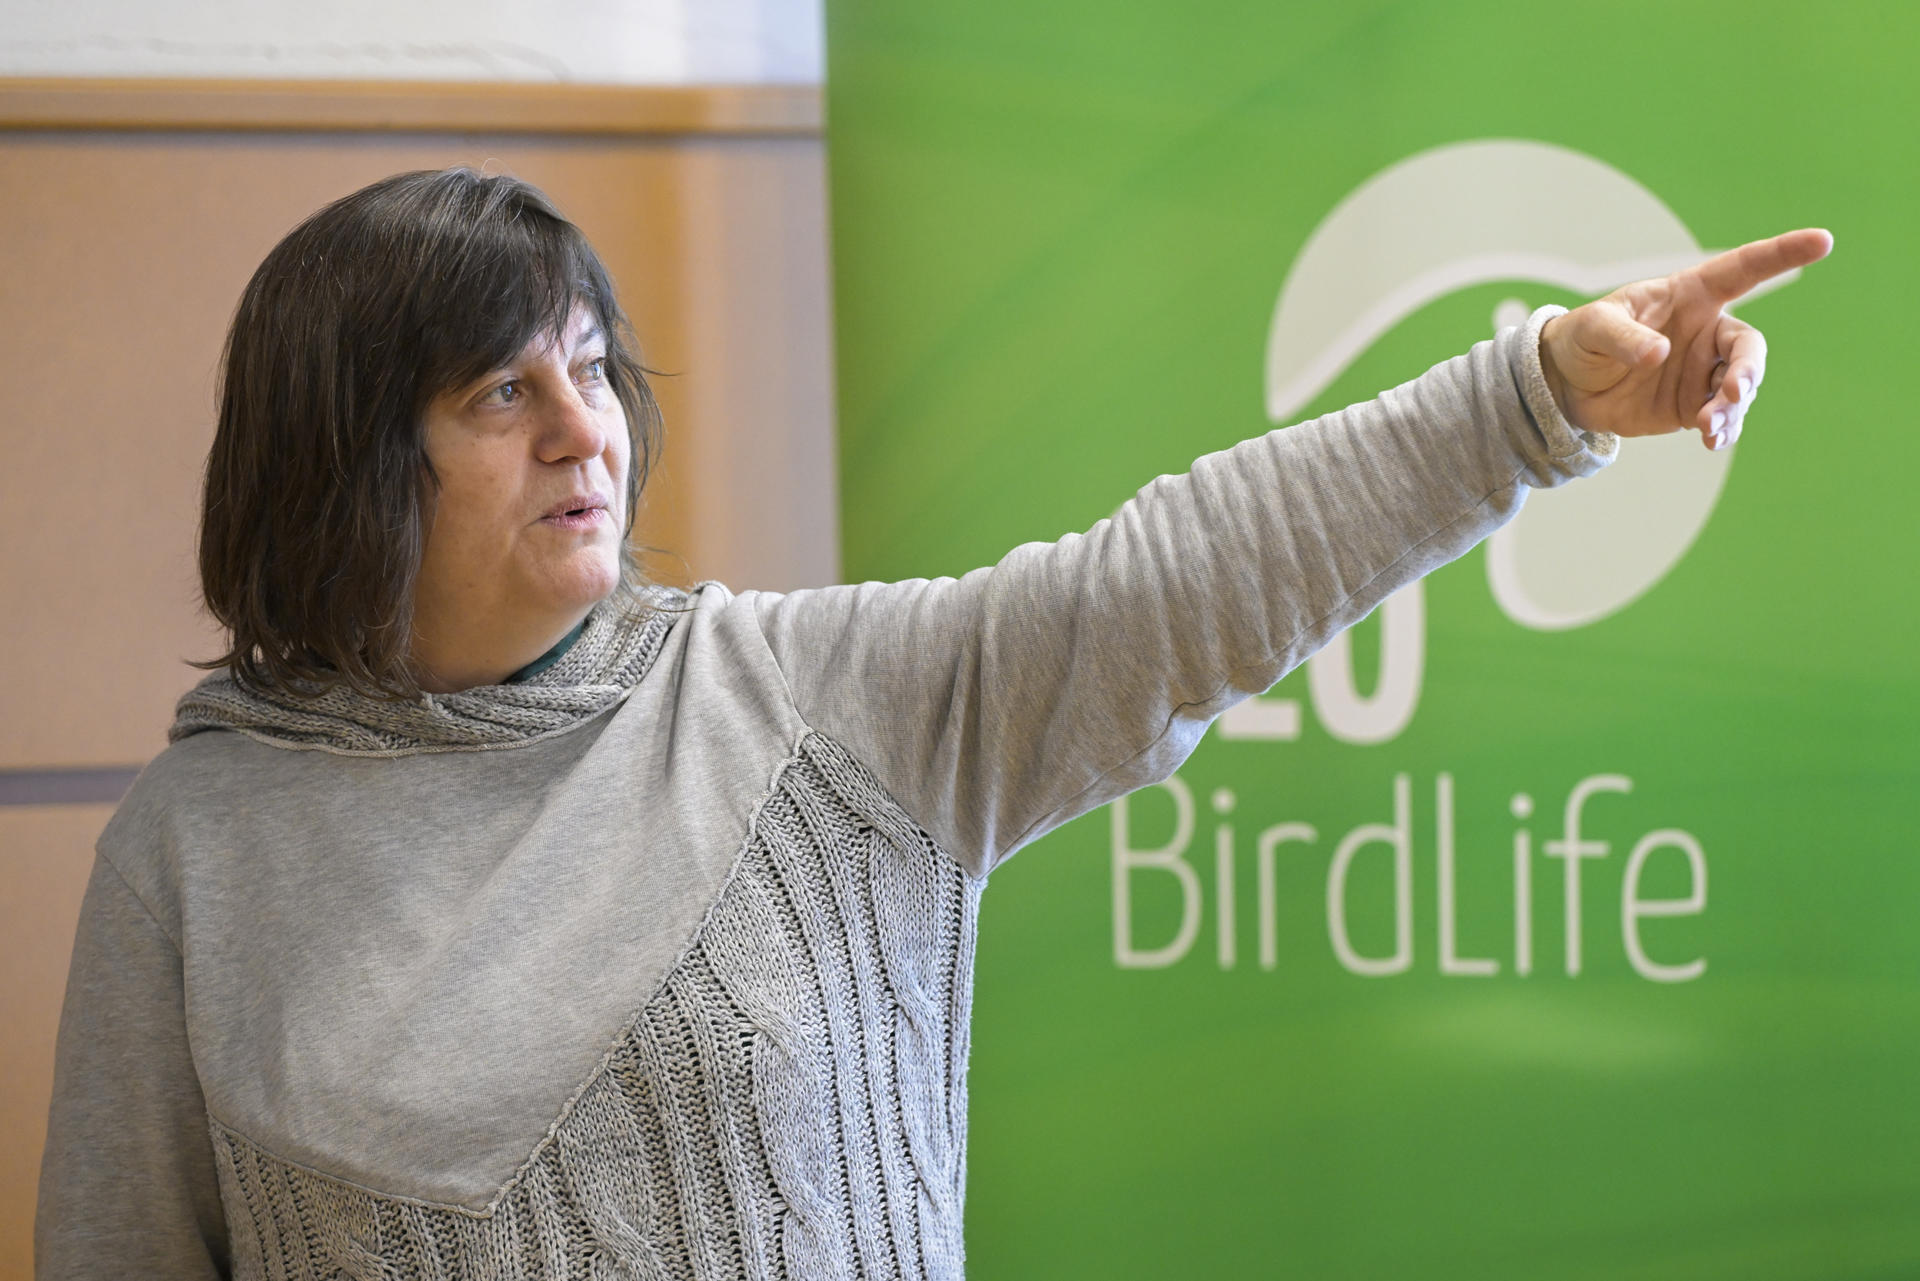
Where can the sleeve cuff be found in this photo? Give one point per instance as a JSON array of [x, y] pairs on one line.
[[1571, 451]]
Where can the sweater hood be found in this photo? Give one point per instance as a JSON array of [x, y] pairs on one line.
[[620, 641]]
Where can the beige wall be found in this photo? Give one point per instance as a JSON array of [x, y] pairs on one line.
[[125, 253]]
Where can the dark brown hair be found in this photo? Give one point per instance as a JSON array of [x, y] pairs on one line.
[[318, 486]]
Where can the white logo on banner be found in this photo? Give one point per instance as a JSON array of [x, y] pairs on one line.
[[1468, 214]]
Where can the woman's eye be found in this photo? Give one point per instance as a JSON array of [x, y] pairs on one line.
[[595, 370], [506, 393]]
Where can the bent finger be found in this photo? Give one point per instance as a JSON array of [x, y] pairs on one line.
[[1744, 348], [1722, 426], [1743, 365], [1742, 352]]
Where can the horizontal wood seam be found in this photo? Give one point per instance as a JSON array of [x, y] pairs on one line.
[[380, 106]]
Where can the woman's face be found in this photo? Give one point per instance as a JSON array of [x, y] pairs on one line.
[[526, 526]]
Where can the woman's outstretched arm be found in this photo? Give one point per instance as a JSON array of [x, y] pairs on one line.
[[1000, 704]]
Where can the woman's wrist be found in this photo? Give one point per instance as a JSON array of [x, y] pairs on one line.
[[1556, 383]]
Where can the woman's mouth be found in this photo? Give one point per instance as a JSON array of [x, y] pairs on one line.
[[581, 512], [577, 518]]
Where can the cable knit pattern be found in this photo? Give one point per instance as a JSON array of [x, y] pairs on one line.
[[615, 649], [791, 1102]]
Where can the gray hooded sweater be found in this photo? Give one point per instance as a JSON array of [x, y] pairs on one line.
[[658, 965]]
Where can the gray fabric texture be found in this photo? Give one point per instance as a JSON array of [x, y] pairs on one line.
[[658, 965]]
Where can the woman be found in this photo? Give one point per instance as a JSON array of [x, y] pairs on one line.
[[493, 914]]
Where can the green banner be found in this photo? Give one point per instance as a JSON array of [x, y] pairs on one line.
[[1560, 920]]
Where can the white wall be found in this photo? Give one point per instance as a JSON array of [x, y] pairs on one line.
[[585, 41]]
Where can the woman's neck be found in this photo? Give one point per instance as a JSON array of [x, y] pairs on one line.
[[441, 668]]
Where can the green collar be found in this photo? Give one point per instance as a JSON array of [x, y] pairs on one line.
[[547, 659]]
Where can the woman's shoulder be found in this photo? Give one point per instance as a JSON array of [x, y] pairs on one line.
[[193, 771], [180, 792]]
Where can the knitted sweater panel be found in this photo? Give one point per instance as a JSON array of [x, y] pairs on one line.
[[789, 1103]]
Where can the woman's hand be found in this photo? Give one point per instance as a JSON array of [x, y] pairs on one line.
[[1663, 355]]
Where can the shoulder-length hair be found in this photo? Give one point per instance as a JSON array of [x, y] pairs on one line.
[[318, 486]]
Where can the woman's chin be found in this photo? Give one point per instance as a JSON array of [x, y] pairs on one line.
[[589, 580]]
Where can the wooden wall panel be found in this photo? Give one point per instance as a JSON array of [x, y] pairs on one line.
[[48, 852]]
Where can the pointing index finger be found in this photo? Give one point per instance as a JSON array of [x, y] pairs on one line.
[[1729, 275]]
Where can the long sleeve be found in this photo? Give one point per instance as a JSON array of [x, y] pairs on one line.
[[127, 1185], [1000, 704]]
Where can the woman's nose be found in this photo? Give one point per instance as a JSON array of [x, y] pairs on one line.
[[572, 428]]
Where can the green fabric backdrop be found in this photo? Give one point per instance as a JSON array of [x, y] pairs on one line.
[[1060, 234]]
